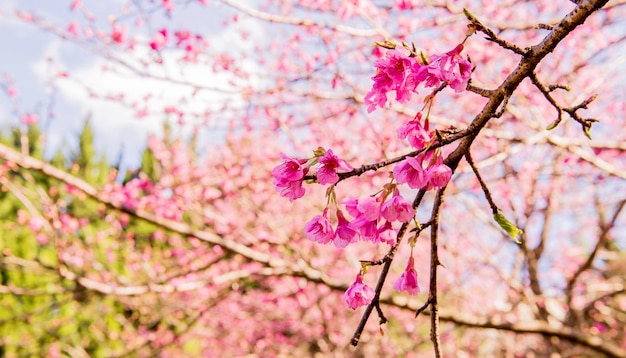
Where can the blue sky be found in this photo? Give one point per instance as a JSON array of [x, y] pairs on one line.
[[26, 48]]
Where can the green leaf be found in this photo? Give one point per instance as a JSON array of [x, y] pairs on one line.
[[468, 14], [508, 226], [552, 125]]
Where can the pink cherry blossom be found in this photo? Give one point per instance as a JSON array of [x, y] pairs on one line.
[[30, 118], [359, 294], [417, 135], [397, 209], [386, 234], [72, 28], [451, 68], [290, 170], [344, 234], [288, 177], [410, 171], [182, 36], [404, 4], [118, 34], [391, 72], [168, 5], [292, 190], [366, 212], [418, 74], [439, 174], [159, 40], [330, 163], [408, 280], [319, 229], [75, 5]]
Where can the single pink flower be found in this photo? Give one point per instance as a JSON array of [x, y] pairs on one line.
[[395, 65], [439, 174], [118, 34], [366, 212], [408, 280], [404, 4], [75, 5], [288, 177], [359, 294], [159, 40], [319, 229], [290, 169], [72, 28], [292, 190], [344, 234], [182, 36], [30, 118], [368, 207], [168, 5], [451, 68], [386, 234], [377, 96], [410, 171], [417, 135], [397, 209], [327, 174]]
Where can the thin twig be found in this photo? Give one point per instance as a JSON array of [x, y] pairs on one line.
[[492, 204]]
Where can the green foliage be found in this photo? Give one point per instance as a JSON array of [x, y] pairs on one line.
[[39, 309]]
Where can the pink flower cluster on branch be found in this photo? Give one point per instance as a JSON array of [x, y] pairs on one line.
[[373, 217], [400, 71], [411, 171], [288, 176], [372, 221]]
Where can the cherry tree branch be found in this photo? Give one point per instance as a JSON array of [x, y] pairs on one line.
[[491, 36], [434, 264], [492, 204], [298, 22], [571, 111]]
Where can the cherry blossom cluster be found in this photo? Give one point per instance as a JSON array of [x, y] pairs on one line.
[[400, 71], [373, 217], [372, 220], [289, 175]]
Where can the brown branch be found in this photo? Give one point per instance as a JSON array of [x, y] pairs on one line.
[[527, 65], [298, 22], [491, 36], [434, 264], [571, 111], [492, 204], [570, 334]]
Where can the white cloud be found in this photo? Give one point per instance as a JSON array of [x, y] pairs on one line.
[[117, 125]]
